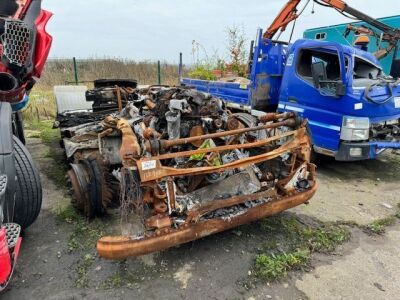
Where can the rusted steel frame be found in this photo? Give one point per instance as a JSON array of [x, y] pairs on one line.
[[172, 143], [275, 117], [160, 172], [130, 148], [124, 247], [150, 104], [171, 195], [198, 211], [119, 98], [224, 148]]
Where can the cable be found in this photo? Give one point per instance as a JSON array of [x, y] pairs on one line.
[[294, 22], [291, 34], [339, 11]]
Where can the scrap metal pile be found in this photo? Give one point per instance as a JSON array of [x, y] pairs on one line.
[[181, 166]]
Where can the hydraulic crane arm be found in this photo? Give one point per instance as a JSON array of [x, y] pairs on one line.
[[290, 13]]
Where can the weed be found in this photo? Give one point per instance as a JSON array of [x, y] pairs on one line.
[[299, 241], [272, 267], [397, 213], [325, 238], [69, 215], [378, 226], [50, 137], [114, 281], [202, 72], [41, 106], [45, 131], [82, 280], [85, 234]]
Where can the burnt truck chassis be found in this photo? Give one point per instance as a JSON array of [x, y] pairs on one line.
[[180, 188]]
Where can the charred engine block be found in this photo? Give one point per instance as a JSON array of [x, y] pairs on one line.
[[108, 94]]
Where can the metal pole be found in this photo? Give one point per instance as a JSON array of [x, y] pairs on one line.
[[75, 71], [180, 70], [159, 72]]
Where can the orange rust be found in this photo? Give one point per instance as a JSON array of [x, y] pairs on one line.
[[119, 97], [224, 148], [196, 212], [150, 104], [166, 144], [275, 117], [130, 148], [197, 131], [160, 206], [158, 222], [123, 247], [159, 172]]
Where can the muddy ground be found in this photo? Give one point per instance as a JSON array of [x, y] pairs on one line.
[[56, 263]]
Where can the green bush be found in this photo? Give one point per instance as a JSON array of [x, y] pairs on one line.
[[273, 267], [202, 72]]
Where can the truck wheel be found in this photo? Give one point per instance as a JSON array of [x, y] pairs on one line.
[[28, 200], [18, 126]]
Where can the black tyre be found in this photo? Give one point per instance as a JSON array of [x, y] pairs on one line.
[[18, 126], [28, 200]]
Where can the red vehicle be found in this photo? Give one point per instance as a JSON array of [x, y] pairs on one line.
[[24, 49]]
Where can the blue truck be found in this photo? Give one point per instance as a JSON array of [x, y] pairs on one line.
[[337, 33], [352, 106]]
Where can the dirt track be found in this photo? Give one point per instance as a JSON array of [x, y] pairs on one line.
[[220, 266]]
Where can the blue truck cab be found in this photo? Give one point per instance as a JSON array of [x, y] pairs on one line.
[[352, 107]]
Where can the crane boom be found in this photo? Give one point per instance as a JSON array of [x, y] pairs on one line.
[[289, 14]]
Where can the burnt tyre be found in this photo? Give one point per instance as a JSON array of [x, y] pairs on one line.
[[28, 201]]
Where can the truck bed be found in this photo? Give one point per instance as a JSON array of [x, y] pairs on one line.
[[235, 93]]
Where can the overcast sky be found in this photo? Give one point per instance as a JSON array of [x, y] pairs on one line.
[[160, 29]]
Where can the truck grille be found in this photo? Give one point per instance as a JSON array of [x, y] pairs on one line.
[[16, 42]]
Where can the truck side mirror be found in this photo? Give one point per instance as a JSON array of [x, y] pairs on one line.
[[321, 82], [319, 74], [340, 89]]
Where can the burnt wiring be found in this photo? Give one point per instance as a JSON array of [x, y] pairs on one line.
[[131, 196]]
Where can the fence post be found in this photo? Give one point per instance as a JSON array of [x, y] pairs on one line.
[[180, 70], [159, 72], [75, 71]]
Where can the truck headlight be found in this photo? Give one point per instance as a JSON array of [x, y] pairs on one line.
[[355, 129]]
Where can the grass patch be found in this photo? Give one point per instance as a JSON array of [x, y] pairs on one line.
[[114, 281], [131, 277], [51, 137], [82, 280], [69, 215], [397, 214], [85, 234], [41, 106], [379, 226], [276, 266], [44, 130], [291, 243]]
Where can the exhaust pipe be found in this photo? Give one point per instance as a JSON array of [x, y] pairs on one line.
[[8, 82], [10, 90]]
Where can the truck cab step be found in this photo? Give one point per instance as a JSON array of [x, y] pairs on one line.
[[13, 233], [3, 184]]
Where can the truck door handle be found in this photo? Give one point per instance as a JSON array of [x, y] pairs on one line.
[[293, 99]]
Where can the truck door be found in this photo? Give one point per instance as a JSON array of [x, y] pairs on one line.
[[314, 82]]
